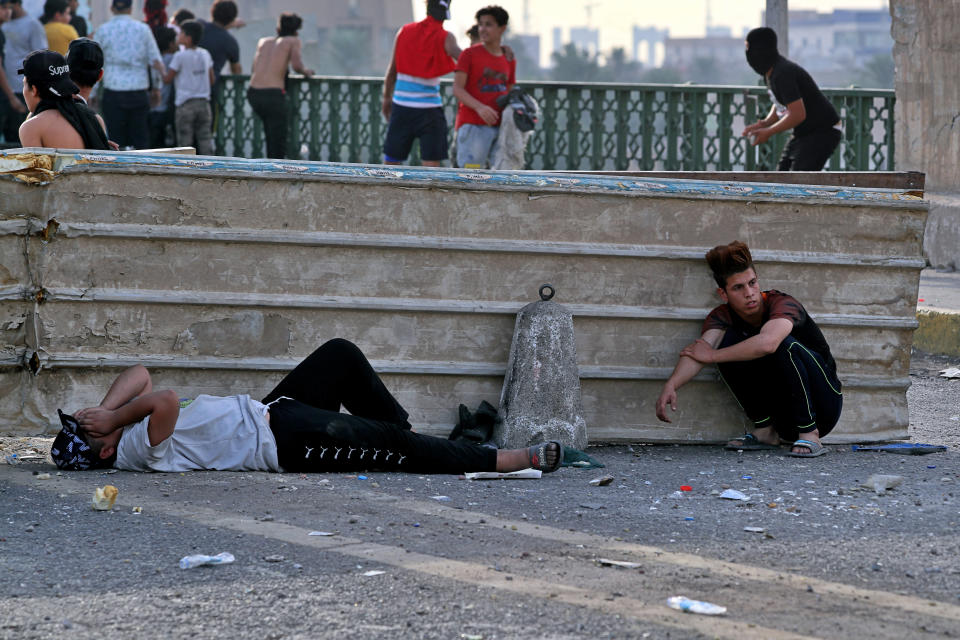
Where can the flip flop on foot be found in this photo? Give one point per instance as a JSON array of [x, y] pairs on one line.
[[749, 442], [816, 449], [546, 456]]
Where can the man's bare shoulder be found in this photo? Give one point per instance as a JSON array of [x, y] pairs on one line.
[[53, 130]]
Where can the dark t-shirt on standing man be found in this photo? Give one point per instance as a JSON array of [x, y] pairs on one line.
[[789, 82], [222, 46]]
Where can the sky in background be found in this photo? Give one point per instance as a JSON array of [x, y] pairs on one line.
[[615, 18]]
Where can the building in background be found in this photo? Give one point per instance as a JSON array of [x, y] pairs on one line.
[[706, 60], [652, 39], [586, 39], [839, 40]]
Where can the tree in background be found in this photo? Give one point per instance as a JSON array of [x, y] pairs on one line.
[[572, 64], [878, 72]]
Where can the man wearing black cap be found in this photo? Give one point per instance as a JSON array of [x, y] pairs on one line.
[[85, 59], [798, 104], [57, 120]]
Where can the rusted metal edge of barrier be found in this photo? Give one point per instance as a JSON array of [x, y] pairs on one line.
[[431, 305], [406, 367], [65, 163]]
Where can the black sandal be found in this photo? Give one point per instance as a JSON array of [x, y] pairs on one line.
[[538, 456]]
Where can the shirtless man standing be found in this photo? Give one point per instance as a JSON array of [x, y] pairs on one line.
[[267, 93]]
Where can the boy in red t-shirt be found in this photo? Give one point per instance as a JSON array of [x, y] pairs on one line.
[[483, 74]]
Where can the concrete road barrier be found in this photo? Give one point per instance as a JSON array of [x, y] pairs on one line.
[[221, 274]]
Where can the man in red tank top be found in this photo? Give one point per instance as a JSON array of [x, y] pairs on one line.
[[422, 53]]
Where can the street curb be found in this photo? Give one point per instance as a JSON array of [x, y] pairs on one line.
[[939, 332]]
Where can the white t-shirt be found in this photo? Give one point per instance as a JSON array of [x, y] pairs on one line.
[[193, 74], [223, 434]]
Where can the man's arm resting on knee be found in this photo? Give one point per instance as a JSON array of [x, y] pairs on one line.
[[763, 344], [687, 367]]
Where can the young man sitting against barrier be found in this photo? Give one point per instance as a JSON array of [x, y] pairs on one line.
[[296, 428], [772, 356]]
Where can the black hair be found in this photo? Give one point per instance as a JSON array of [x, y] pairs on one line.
[[473, 32], [52, 8], [288, 24], [499, 14], [726, 260], [223, 12], [96, 446], [85, 58], [193, 29], [438, 9], [165, 36], [182, 15]]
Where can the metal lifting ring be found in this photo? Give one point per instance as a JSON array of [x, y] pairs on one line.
[[547, 296]]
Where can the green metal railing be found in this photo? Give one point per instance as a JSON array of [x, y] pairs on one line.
[[582, 126]]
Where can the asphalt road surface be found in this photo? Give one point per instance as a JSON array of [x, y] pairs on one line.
[[824, 556]]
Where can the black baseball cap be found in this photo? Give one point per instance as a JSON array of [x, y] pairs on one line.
[[84, 53], [70, 451], [121, 5], [48, 71]]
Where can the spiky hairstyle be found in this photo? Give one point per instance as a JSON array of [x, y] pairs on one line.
[[726, 260]]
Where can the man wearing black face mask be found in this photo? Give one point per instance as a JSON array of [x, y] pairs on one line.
[[798, 104]]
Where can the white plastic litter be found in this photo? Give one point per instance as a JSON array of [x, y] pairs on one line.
[[754, 529], [189, 562], [733, 494], [952, 372], [880, 483], [374, 572], [321, 533], [685, 604], [523, 474], [618, 563]]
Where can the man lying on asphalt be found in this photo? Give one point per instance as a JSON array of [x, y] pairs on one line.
[[297, 427]]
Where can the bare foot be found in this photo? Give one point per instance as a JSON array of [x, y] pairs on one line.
[[516, 459]]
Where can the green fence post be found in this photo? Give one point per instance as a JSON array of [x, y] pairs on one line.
[[354, 109], [648, 122], [219, 137], [315, 151], [374, 105], [697, 121], [333, 117], [622, 129], [889, 137], [596, 129], [724, 129], [672, 130], [239, 121], [573, 128], [549, 118]]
